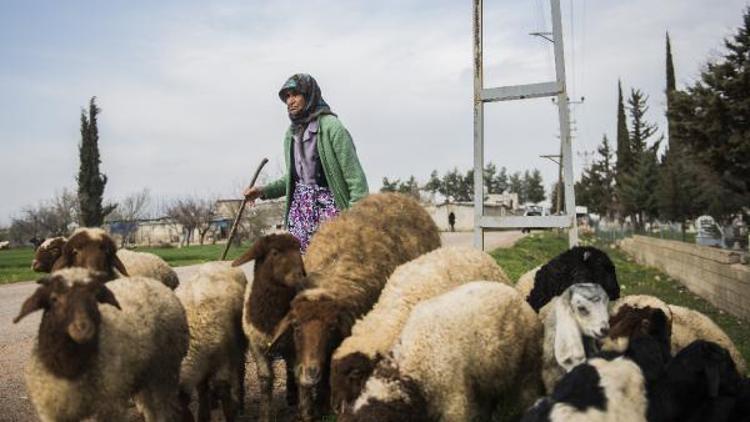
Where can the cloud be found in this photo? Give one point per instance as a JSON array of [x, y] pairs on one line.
[[189, 92]]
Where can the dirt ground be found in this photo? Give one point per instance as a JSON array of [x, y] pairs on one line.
[[16, 342]]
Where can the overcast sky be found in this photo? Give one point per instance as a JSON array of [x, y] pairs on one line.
[[188, 89]]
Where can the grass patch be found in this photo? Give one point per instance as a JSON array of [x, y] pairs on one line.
[[198, 254], [633, 278], [530, 252], [15, 264]]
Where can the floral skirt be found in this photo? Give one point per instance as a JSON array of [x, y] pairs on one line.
[[311, 206]]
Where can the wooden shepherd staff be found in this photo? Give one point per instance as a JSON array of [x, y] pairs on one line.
[[239, 213]]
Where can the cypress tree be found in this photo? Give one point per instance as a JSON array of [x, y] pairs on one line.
[[91, 182], [623, 164], [671, 87]]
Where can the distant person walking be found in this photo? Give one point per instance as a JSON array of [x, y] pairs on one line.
[[452, 221], [323, 174]]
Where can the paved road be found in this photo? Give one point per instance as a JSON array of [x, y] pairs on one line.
[[16, 339]]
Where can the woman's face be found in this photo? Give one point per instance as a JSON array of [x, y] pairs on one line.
[[295, 102]]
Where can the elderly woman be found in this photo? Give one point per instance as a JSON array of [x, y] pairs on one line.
[[323, 174]]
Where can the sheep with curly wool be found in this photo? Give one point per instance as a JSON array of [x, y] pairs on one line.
[[277, 276], [348, 262], [459, 355], [430, 275], [93, 248], [99, 345], [573, 322], [215, 360], [687, 326], [581, 264]]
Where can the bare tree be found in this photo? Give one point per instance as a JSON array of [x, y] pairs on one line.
[[193, 214], [124, 219], [56, 217]]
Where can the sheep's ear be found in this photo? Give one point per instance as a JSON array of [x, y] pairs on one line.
[[280, 329], [255, 251], [104, 295], [586, 256], [38, 300], [117, 263], [569, 350], [712, 379]]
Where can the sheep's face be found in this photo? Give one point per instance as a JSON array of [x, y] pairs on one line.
[[630, 323], [588, 304], [318, 327], [93, 249], [70, 304], [348, 376], [389, 396], [278, 258], [47, 253], [69, 332]]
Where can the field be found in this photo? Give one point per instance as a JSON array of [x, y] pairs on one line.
[[15, 264], [633, 278]]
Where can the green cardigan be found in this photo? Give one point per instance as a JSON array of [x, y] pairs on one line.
[[341, 167]]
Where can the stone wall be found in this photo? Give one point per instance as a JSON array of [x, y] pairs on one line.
[[714, 274]]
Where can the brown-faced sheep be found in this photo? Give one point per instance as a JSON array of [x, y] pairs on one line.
[[101, 345], [629, 323], [216, 354], [687, 326], [581, 264], [47, 253], [348, 261], [430, 275], [459, 355], [278, 272], [93, 248]]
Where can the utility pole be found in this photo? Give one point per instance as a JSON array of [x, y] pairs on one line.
[[573, 129], [482, 95]]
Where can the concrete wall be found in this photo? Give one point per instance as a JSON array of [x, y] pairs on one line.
[[714, 274]]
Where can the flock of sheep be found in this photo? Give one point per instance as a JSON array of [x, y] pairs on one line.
[[377, 322]]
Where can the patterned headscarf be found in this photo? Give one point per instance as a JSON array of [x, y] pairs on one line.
[[314, 103]]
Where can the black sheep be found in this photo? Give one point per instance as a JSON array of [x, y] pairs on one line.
[[581, 264], [699, 384]]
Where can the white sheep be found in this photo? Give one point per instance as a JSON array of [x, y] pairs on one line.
[[687, 326], [100, 345], [148, 265], [573, 322], [427, 276], [216, 354], [458, 355]]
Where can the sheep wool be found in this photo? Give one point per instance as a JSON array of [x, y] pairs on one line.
[[476, 342], [148, 265], [430, 275], [525, 283], [140, 348], [213, 305]]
